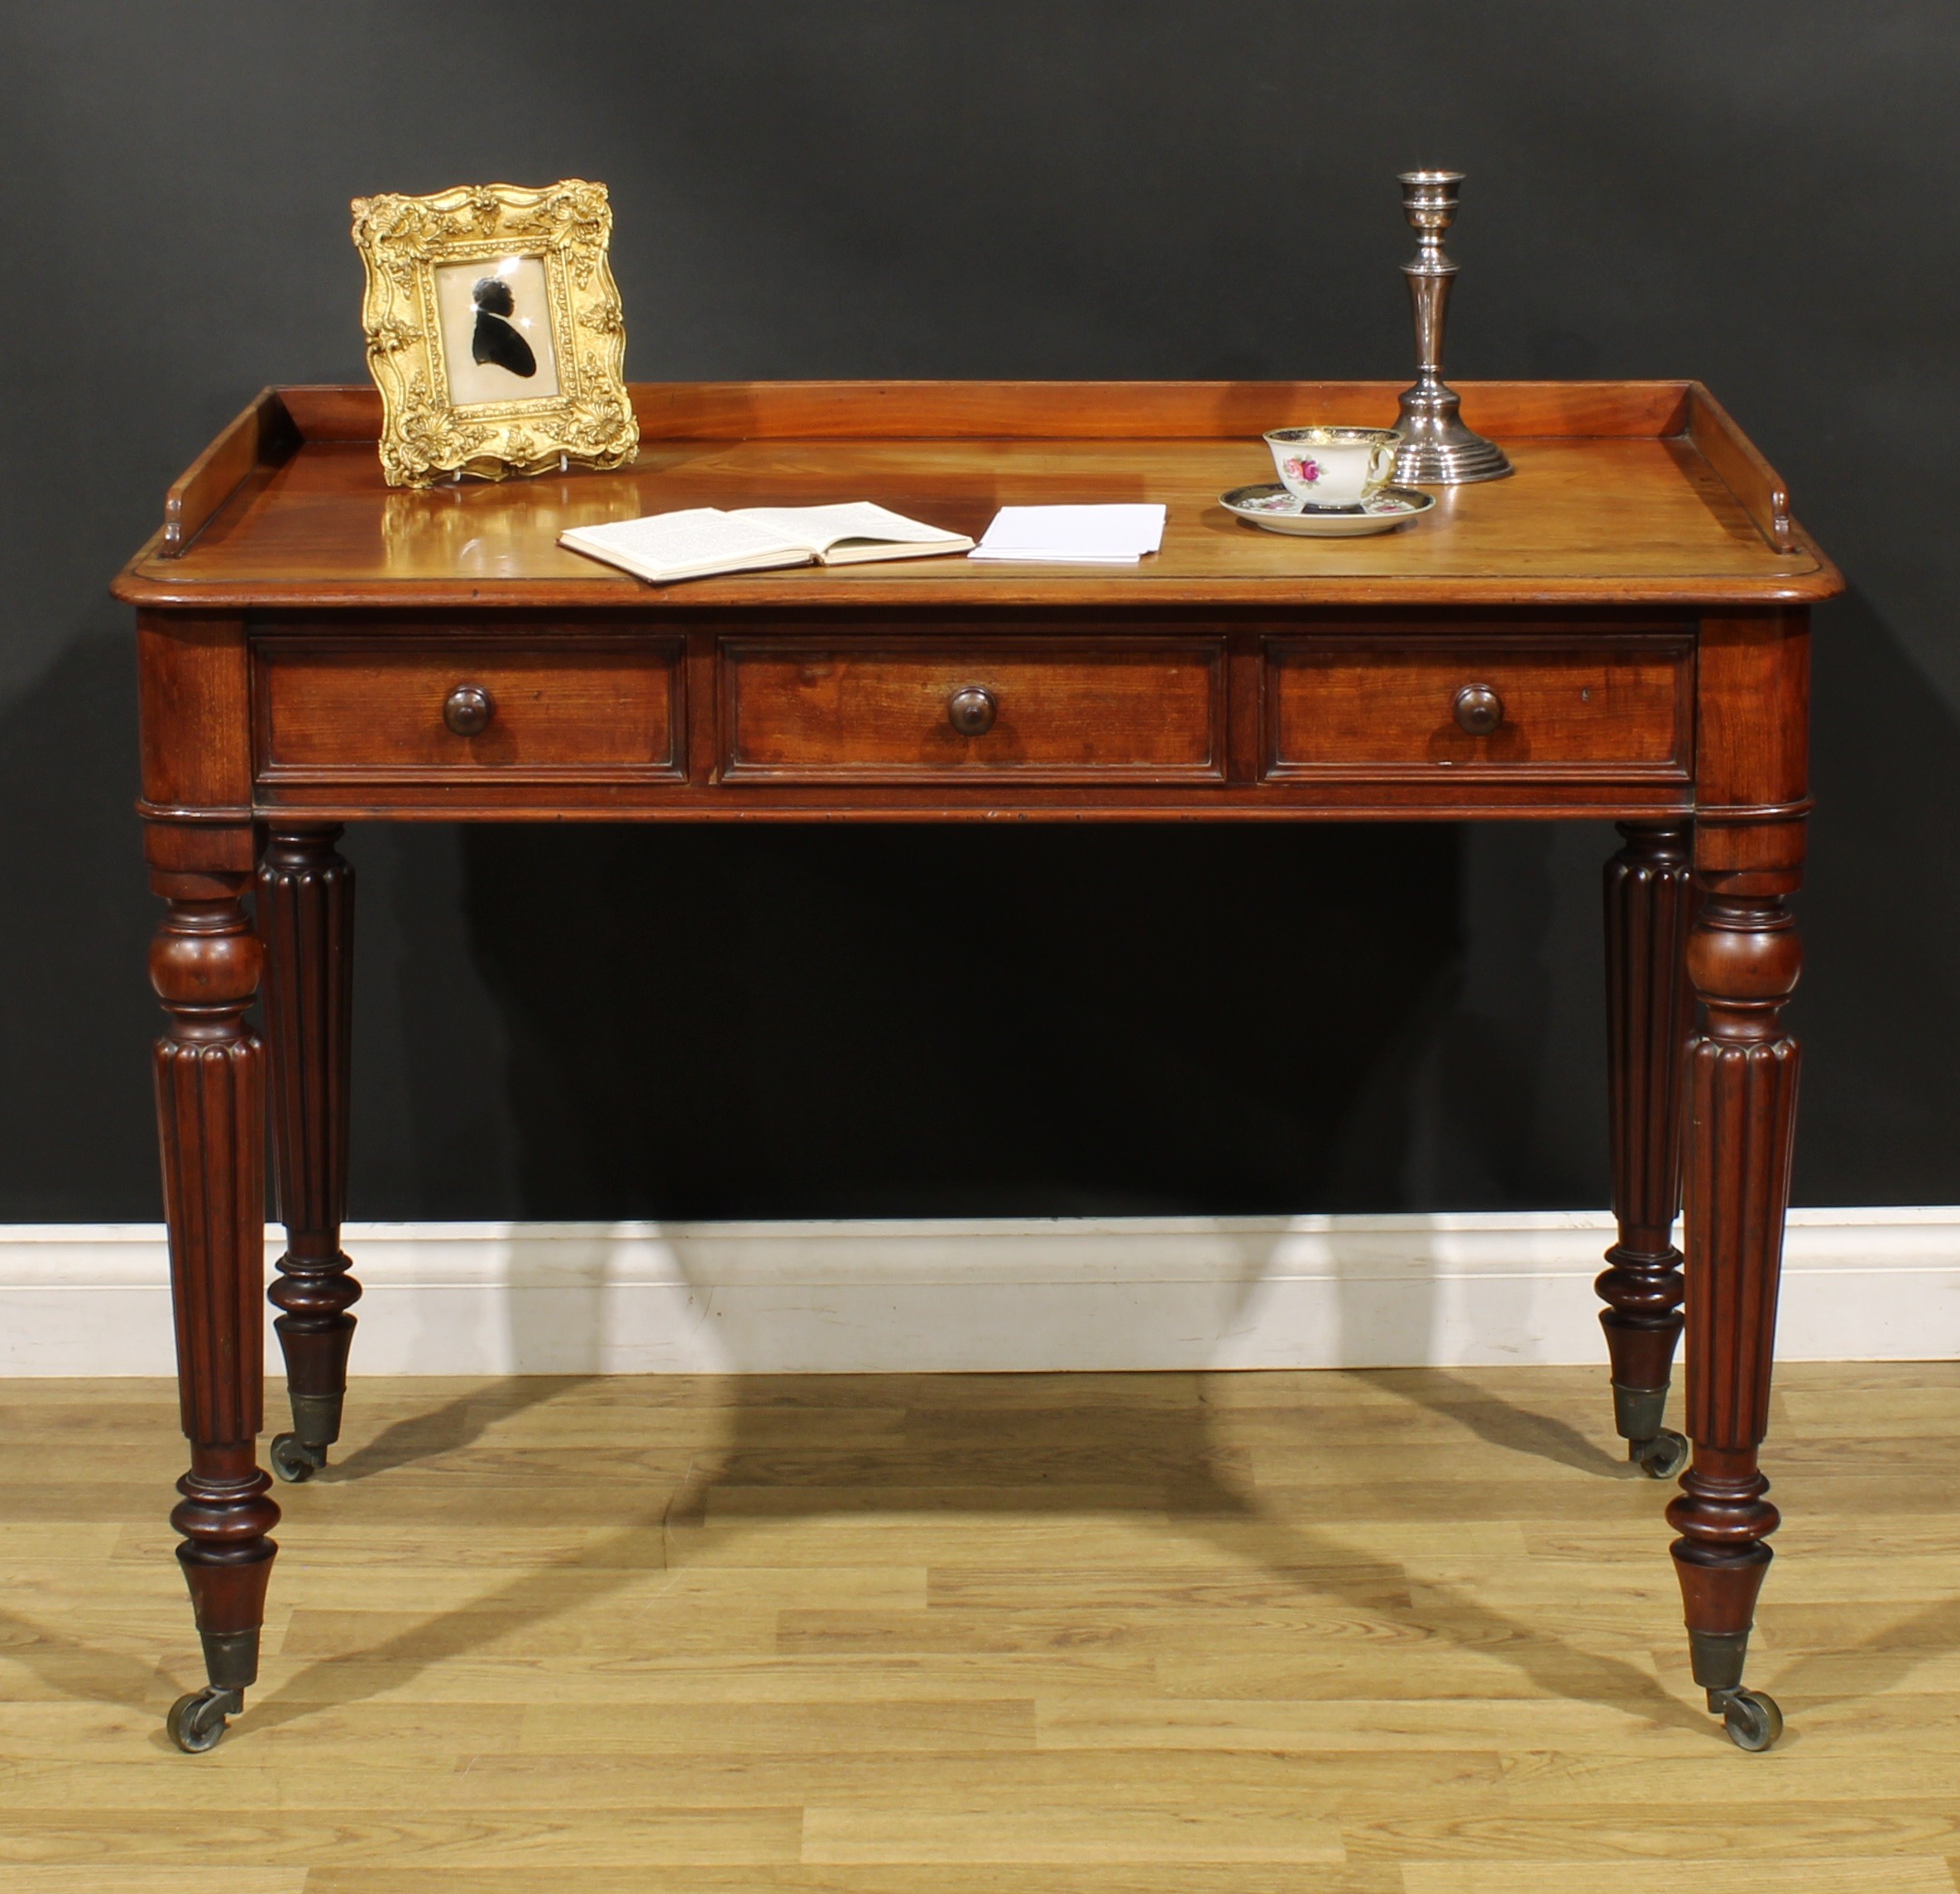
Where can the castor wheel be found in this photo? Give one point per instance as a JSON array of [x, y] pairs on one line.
[[196, 1722], [1752, 1720], [294, 1461], [1662, 1457]]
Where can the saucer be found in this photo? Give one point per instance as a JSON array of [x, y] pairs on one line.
[[1270, 505]]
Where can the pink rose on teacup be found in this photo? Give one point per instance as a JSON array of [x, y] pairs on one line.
[[1333, 466]]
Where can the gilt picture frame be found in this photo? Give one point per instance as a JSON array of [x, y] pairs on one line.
[[495, 332]]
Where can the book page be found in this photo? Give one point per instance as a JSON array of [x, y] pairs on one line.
[[695, 540], [820, 528]]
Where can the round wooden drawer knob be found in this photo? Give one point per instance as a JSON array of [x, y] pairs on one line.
[[972, 710], [1479, 709], [468, 709]]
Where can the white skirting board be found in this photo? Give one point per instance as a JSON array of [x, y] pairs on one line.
[[990, 1294]]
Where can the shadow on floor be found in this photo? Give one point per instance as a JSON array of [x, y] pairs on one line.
[[455, 1425], [1047, 1444], [80, 1670], [1502, 1423], [1881, 1662]]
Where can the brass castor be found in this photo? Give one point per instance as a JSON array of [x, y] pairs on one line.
[[197, 1721], [293, 1461], [1752, 1720], [1660, 1458]]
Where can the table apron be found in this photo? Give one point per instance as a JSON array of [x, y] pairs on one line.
[[514, 718]]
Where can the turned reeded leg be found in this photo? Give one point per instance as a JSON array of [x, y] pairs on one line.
[[1649, 896], [1743, 958], [204, 963], [306, 917]]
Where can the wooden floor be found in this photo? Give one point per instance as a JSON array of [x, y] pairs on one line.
[[1116, 1634]]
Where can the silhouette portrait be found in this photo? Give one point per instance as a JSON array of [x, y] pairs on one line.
[[494, 322], [496, 339]]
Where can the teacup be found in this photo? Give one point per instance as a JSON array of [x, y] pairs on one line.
[[1333, 467]]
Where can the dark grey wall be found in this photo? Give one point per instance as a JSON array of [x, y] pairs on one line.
[[1762, 195]]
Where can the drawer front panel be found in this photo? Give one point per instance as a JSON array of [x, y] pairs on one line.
[[364, 710], [1067, 710], [1596, 705]]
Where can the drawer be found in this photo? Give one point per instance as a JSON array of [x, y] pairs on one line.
[[1064, 709], [387, 710], [1579, 705]]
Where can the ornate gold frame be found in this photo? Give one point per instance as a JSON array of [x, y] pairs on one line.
[[426, 437]]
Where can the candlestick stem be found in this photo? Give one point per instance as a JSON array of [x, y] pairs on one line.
[[1437, 449]]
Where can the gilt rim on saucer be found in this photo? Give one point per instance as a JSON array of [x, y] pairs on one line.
[[1390, 507]]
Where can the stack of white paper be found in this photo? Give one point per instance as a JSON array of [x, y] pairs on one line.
[[1073, 535]]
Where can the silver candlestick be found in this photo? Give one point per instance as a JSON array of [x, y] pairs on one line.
[[1437, 449]]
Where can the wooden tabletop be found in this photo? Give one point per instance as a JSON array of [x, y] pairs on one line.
[[1609, 503]]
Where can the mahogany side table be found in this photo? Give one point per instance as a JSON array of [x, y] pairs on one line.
[[1620, 631]]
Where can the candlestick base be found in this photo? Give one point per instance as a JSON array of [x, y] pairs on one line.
[[1437, 449]]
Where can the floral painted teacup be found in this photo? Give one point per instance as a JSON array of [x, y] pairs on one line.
[[1333, 467]]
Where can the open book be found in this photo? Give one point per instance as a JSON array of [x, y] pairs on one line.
[[703, 539]]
